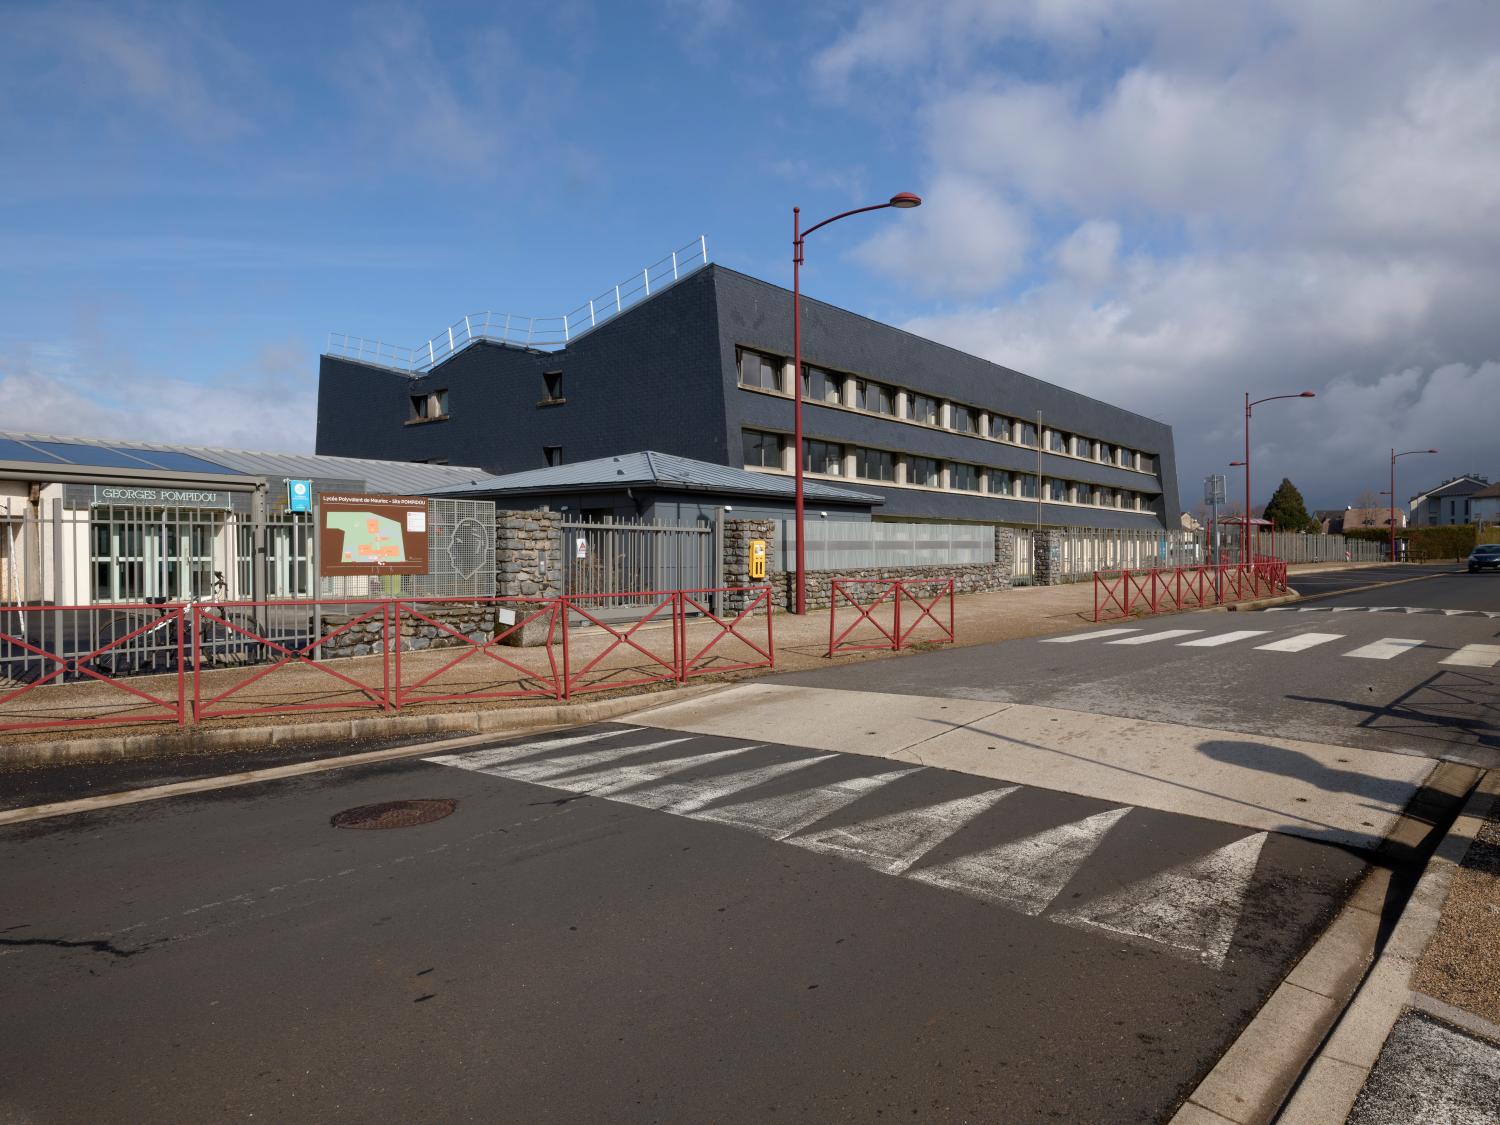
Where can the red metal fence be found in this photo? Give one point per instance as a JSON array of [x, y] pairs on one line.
[[877, 603], [1130, 593], [196, 661]]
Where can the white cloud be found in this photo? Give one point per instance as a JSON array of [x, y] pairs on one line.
[[1309, 195], [73, 390], [964, 239]]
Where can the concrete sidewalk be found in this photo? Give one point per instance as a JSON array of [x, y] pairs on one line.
[[346, 686], [1421, 1039]]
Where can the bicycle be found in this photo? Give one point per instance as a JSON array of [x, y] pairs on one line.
[[153, 650]]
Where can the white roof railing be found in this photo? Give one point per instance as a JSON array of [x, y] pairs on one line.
[[542, 332]]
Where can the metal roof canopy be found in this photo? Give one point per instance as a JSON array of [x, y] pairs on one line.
[[658, 470], [41, 457]]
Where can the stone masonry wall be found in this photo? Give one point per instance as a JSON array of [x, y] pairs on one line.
[[1046, 566], [367, 637], [738, 535], [973, 578]]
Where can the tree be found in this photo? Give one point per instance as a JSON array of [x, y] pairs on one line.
[[1368, 499], [1287, 511]]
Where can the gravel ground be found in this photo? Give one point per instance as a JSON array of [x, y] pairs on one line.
[[1460, 966], [1430, 1072]]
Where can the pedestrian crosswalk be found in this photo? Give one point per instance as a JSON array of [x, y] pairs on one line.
[[1409, 610], [1385, 648], [1188, 910]]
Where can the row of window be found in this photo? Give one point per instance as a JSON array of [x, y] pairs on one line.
[[767, 372], [830, 458]]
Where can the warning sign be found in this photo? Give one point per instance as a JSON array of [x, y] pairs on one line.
[[371, 535]]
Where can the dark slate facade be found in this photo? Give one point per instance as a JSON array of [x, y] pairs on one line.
[[664, 375]]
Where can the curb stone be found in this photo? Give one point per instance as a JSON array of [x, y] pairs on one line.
[[1265, 1064], [194, 739], [1332, 1081]]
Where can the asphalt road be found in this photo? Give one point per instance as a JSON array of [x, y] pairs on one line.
[[646, 925], [542, 955], [1407, 697]]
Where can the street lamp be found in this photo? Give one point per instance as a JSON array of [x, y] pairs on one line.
[[1394, 455], [1245, 543], [902, 200]]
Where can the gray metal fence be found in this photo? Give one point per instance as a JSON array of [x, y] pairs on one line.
[[618, 557], [845, 545]]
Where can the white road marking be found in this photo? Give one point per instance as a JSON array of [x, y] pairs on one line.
[[1192, 909], [483, 759], [1224, 638], [1474, 656], [780, 816], [607, 779], [893, 842], [554, 766], [1151, 638], [1025, 874], [1385, 648], [683, 797], [1088, 636], [1300, 643]]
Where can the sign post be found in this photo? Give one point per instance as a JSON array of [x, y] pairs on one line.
[[1213, 496]]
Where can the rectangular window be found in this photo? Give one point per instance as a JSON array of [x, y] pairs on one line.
[[552, 389], [552, 454], [1028, 434], [875, 464], [924, 471], [1147, 463], [758, 370], [1056, 489], [923, 408], [762, 450], [1085, 448], [875, 397], [418, 407], [823, 457], [1025, 486], [1109, 454], [1000, 482], [1003, 428], [1057, 442], [821, 386], [961, 418], [429, 407], [963, 477]]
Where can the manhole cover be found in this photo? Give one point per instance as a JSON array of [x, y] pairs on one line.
[[393, 814]]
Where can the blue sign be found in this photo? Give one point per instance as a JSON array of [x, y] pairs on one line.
[[299, 495]]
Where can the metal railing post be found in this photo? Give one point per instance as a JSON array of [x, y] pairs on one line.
[[646, 277]]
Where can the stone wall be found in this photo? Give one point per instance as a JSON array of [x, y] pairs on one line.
[[366, 638], [973, 578], [738, 535], [528, 564], [1046, 556]]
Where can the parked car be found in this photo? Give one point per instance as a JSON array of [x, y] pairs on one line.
[[1484, 555]]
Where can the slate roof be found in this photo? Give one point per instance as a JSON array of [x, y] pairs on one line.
[[662, 470], [378, 476]]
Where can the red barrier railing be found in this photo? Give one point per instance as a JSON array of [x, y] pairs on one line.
[[233, 659], [84, 649], [882, 612], [262, 631], [484, 678], [666, 668], [701, 663], [1129, 593]]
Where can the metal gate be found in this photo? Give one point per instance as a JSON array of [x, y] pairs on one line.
[[619, 559]]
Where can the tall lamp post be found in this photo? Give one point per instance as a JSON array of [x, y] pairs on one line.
[[903, 200], [1245, 551], [1394, 455]]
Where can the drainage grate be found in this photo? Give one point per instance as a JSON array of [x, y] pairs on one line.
[[394, 814]]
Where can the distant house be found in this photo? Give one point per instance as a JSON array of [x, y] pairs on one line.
[[1484, 505], [1448, 503], [1331, 520]]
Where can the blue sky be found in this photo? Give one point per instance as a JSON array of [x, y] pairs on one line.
[[1144, 201]]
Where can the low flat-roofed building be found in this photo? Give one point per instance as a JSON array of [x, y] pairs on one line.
[[90, 521]]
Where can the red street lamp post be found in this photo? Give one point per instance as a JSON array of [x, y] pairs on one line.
[[1245, 552], [1394, 455], [902, 200]]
